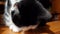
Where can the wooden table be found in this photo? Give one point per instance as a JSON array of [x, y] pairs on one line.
[[52, 28]]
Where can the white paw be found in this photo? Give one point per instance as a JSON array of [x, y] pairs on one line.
[[34, 27], [11, 27], [14, 28]]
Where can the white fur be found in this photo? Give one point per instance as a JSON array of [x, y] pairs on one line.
[[9, 18], [14, 28]]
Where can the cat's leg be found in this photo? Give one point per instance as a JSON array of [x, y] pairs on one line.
[[13, 27], [10, 24], [44, 18], [43, 22]]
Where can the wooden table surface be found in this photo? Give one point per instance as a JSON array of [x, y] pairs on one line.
[[51, 28]]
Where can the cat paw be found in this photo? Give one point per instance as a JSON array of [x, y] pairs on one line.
[[14, 28], [34, 27]]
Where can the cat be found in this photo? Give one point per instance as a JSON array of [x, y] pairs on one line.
[[22, 15]]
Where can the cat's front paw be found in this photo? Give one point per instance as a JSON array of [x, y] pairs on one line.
[[14, 28]]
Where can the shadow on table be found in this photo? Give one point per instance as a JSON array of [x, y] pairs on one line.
[[40, 30]]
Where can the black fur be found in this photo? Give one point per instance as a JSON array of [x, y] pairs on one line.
[[30, 12], [45, 3]]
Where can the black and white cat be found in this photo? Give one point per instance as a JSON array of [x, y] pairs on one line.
[[22, 15]]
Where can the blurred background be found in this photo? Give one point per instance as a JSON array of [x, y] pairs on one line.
[[2, 2]]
